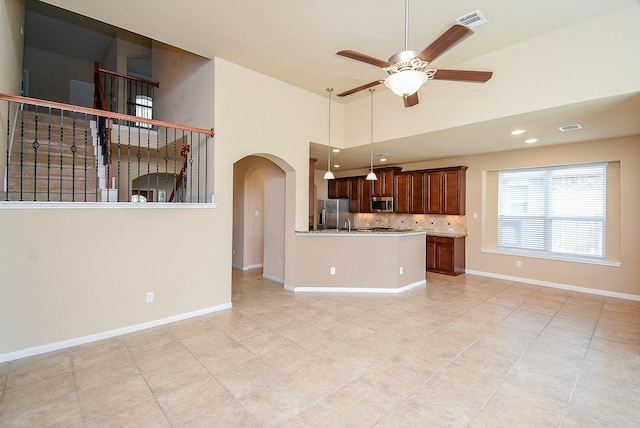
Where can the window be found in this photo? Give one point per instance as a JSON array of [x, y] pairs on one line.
[[144, 109], [558, 210]]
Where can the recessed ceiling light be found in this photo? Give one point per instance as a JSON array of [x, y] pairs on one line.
[[336, 166], [518, 131], [383, 159], [531, 140], [335, 150]]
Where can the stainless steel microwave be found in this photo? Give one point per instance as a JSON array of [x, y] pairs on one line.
[[382, 204]]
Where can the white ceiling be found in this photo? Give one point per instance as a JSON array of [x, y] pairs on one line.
[[296, 42]]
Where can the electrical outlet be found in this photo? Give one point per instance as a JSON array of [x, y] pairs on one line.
[[332, 270], [401, 270], [150, 297], [518, 264]]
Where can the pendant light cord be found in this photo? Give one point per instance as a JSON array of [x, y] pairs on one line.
[[371, 134], [329, 90]]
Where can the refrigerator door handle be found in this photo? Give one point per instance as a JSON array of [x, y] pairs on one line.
[[323, 213]]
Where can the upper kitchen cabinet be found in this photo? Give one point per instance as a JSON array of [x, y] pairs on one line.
[[360, 195], [383, 186], [338, 188], [409, 192], [446, 191]]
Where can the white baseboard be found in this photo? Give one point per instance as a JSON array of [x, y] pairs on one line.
[[556, 285], [9, 356], [355, 289], [249, 267], [273, 278]]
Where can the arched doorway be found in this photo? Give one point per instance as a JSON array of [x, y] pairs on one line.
[[259, 217]]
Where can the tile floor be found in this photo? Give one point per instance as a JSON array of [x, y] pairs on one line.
[[464, 351]]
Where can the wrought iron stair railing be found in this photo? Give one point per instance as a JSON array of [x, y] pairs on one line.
[[53, 154]]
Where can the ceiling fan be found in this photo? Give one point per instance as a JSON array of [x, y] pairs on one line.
[[408, 69]]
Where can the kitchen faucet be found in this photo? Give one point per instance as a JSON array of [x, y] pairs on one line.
[[348, 222]]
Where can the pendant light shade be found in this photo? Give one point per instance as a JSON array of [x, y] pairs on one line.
[[372, 175], [329, 175]]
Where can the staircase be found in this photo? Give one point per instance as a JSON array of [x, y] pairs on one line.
[[55, 159]]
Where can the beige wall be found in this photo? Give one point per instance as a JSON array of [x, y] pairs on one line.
[[257, 115], [623, 226], [69, 273]]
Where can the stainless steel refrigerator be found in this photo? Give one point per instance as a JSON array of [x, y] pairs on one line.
[[334, 214]]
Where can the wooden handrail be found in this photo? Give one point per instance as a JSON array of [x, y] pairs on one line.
[[98, 87], [125, 76], [103, 113]]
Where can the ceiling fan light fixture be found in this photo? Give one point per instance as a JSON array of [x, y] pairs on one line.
[[405, 83]]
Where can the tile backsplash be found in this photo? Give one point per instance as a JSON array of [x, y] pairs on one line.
[[437, 223]]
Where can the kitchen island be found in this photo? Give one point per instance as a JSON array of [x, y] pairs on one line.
[[364, 261]]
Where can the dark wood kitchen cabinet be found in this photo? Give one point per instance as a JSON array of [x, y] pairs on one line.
[[356, 189], [383, 186], [445, 254], [338, 187], [401, 193], [409, 192], [359, 195], [446, 191]]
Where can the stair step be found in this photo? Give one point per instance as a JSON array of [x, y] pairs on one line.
[[54, 197], [60, 173], [53, 185], [29, 169]]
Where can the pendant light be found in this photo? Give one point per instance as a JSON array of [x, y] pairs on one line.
[[372, 175], [329, 175]]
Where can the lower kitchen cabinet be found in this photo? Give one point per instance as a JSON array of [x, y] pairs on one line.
[[445, 255]]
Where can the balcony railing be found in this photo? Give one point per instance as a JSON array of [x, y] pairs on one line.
[[54, 154]]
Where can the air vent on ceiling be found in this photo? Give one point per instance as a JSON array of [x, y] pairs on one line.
[[570, 127], [472, 19]]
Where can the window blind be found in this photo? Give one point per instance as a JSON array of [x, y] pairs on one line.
[[559, 210]]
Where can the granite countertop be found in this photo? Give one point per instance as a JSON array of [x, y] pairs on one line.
[[360, 232], [445, 234], [382, 231]]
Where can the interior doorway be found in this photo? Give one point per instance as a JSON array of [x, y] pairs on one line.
[[259, 217]]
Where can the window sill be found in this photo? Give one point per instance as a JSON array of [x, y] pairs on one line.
[[560, 258]]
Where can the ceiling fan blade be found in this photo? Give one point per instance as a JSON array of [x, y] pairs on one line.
[[364, 58], [360, 88], [452, 36], [463, 75], [411, 100]]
